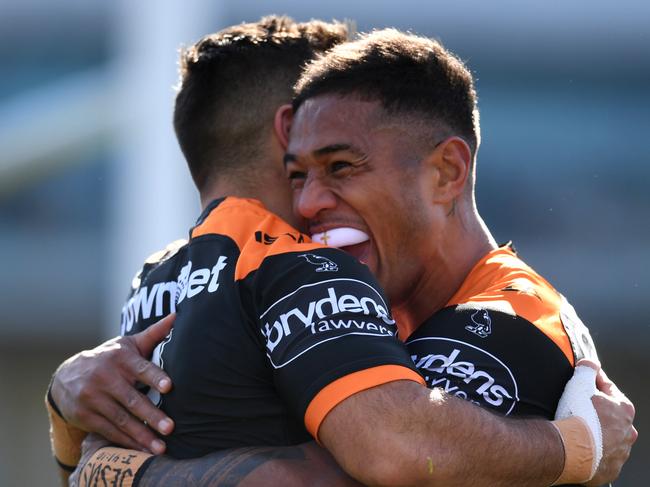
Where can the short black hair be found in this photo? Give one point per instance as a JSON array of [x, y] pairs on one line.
[[231, 84], [407, 74]]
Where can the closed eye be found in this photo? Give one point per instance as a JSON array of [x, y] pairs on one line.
[[338, 166], [296, 175], [296, 179]]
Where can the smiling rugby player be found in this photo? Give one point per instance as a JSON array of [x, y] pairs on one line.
[[389, 429]]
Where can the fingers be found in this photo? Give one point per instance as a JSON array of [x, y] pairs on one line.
[[606, 385], [117, 425], [95, 390], [588, 363], [146, 372], [633, 436], [107, 430], [147, 340], [118, 414], [136, 403], [140, 406], [603, 383], [616, 414]]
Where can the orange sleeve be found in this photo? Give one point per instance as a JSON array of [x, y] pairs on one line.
[[503, 280], [339, 390]]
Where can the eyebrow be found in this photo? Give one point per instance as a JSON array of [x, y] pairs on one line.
[[328, 149]]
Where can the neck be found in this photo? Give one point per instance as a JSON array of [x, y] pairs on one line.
[[464, 241], [269, 190], [221, 189]]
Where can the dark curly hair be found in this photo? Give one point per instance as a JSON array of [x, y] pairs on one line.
[[231, 84]]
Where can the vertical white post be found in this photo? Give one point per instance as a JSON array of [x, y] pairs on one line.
[[152, 198]]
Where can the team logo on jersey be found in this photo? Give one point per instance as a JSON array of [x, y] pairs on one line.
[[523, 288], [192, 282], [319, 312], [323, 263], [181, 283], [158, 299], [266, 239], [481, 323], [465, 371]]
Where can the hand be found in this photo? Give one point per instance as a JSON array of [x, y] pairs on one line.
[[95, 390], [616, 414]]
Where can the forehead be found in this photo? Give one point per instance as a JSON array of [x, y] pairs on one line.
[[328, 120]]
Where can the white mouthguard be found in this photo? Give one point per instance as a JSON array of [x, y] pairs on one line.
[[340, 237]]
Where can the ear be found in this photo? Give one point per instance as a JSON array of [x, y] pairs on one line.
[[452, 160], [282, 124]]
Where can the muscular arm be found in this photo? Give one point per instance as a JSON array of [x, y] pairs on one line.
[[401, 431], [302, 465], [403, 434], [395, 435], [293, 466], [388, 435]]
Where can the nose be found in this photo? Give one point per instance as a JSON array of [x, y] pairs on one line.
[[313, 197]]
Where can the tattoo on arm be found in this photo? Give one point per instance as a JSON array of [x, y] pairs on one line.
[[223, 469]]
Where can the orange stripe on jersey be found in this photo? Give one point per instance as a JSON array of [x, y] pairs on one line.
[[344, 387], [509, 285], [240, 219]]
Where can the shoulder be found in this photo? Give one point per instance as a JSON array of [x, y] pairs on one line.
[[156, 259], [257, 233], [502, 278], [502, 281], [244, 220]]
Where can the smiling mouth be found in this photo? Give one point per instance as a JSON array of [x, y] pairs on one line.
[[340, 237], [350, 240], [358, 251]]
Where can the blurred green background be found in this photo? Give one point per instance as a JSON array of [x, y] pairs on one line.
[[91, 180]]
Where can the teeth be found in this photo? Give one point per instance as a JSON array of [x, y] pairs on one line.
[[340, 237]]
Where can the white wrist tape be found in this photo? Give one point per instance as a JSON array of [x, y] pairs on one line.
[[576, 401]]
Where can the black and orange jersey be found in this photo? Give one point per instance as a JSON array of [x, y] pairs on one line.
[[506, 340], [272, 331]]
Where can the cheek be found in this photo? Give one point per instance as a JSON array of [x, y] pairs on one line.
[[281, 189], [402, 222], [295, 197]]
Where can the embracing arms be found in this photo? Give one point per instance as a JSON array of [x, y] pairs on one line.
[[292, 466], [395, 433], [398, 434], [94, 391]]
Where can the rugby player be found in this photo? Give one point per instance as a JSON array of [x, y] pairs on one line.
[[325, 175]]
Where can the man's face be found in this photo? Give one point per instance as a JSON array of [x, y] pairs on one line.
[[350, 167]]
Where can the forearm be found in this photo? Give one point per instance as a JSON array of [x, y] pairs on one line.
[[294, 466], [426, 438], [473, 446], [302, 465]]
